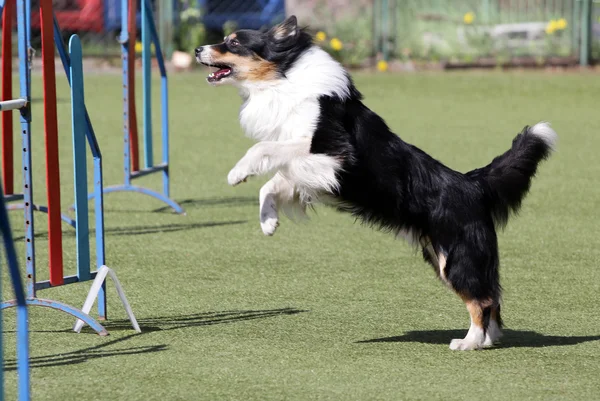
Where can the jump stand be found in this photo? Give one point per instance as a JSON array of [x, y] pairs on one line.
[[81, 128], [131, 160], [50, 127]]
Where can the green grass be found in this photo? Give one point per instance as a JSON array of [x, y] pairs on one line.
[[327, 309]]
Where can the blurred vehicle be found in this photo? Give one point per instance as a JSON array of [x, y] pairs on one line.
[[248, 14]]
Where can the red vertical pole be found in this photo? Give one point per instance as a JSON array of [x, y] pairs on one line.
[[7, 118], [133, 132], [51, 137]]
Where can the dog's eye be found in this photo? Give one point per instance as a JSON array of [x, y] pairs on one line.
[[234, 42]]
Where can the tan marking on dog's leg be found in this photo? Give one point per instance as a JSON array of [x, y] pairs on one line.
[[442, 265], [438, 258]]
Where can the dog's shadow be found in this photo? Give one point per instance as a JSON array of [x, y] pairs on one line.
[[510, 339]]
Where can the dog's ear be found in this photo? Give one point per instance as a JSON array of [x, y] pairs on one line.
[[285, 33]]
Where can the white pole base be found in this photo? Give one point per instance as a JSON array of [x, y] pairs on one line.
[[93, 294]]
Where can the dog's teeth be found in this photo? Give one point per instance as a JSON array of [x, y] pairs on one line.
[[212, 74]]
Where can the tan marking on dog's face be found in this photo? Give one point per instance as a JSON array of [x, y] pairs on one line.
[[247, 68], [231, 36]]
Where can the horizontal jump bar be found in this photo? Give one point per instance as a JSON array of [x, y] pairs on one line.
[[146, 171], [12, 104], [13, 197], [42, 285]]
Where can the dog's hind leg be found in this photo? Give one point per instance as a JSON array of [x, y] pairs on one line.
[[475, 338], [493, 332], [473, 275]]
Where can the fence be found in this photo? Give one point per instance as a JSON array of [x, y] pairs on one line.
[[496, 31]]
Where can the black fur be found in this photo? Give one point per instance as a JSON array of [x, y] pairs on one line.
[[282, 51], [395, 186]]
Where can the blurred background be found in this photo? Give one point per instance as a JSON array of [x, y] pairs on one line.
[[386, 34]]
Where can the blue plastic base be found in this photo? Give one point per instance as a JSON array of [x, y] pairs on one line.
[[132, 188], [48, 303], [43, 209]]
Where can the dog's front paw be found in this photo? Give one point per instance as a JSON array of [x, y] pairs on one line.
[[236, 176], [269, 225], [269, 218], [460, 344]]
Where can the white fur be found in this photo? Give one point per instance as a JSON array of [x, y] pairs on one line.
[[277, 192], [288, 108], [473, 340], [543, 131], [283, 115], [492, 334], [309, 173]]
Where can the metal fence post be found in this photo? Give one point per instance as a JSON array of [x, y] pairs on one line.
[[165, 26], [586, 33]]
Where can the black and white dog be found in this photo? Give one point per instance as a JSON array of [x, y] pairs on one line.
[[324, 145]]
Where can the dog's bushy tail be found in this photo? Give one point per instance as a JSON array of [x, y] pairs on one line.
[[508, 177]]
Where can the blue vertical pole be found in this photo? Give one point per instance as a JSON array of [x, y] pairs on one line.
[[22, 321], [123, 39], [164, 99], [24, 29], [78, 125], [147, 83], [98, 179], [164, 96]]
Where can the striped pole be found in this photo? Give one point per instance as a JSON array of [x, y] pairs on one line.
[[78, 125], [7, 118], [51, 138], [130, 99]]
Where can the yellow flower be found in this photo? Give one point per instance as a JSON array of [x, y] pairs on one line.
[[382, 65], [321, 36], [138, 47], [336, 44], [561, 24], [551, 27], [469, 18]]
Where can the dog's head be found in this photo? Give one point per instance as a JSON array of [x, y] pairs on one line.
[[255, 56]]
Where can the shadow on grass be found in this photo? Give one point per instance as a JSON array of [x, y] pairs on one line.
[[86, 354], [141, 230], [147, 325], [164, 323], [197, 203], [511, 338]]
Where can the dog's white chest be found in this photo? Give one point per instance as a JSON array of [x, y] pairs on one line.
[[273, 115]]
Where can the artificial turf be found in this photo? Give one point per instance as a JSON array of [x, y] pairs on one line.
[[326, 309]]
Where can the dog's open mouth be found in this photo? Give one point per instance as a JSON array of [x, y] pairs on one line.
[[222, 71]]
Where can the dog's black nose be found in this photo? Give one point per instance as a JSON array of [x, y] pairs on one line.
[[198, 51]]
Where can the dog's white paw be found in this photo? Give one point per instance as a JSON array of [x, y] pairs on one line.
[[269, 218], [463, 344], [237, 175], [492, 334], [269, 225]]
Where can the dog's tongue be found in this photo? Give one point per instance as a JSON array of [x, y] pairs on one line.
[[220, 73]]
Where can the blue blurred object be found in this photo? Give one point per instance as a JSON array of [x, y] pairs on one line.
[[247, 14]]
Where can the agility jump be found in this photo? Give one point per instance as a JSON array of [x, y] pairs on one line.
[[81, 129], [131, 163]]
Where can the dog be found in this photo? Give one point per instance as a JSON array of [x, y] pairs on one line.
[[322, 144]]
